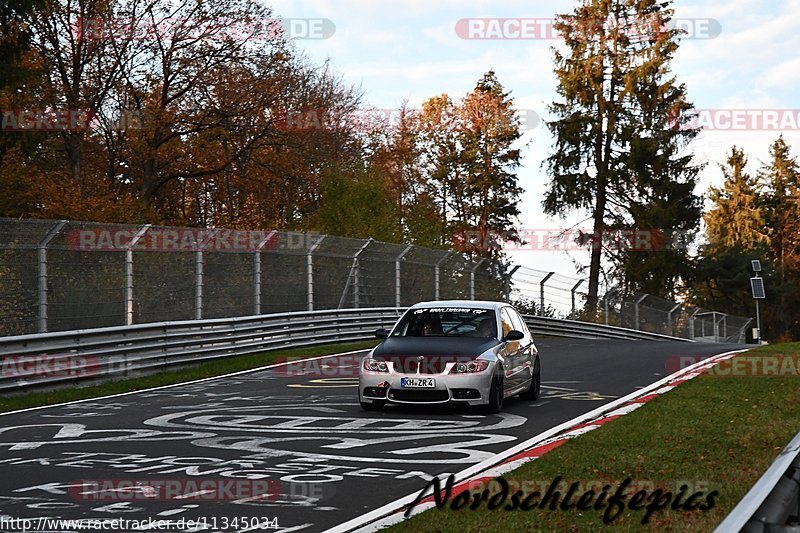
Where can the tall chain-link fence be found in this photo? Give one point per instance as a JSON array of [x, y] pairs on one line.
[[60, 275], [556, 295], [63, 275]]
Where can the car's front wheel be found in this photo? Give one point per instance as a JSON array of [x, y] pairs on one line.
[[372, 406], [496, 393], [536, 384]]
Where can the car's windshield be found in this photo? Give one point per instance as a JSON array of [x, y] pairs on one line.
[[447, 322]]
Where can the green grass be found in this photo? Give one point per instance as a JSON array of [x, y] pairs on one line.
[[718, 433], [208, 369]]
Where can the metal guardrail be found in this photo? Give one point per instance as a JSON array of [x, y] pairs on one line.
[[587, 330], [773, 504], [106, 353], [65, 356]]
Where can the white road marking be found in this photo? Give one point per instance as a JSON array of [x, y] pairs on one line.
[[239, 373]]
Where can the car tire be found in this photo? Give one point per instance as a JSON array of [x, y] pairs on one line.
[[496, 394], [372, 406], [536, 384]]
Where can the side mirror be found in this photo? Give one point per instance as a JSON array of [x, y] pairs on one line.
[[382, 333], [514, 335]]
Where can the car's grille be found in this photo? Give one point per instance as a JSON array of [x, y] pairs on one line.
[[407, 395]]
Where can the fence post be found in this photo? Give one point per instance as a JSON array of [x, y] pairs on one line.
[[722, 320], [636, 311], [669, 317], [472, 278], [691, 323], [575, 288], [257, 272], [436, 275], [354, 275], [310, 271], [357, 273], [507, 283], [743, 332], [198, 284], [42, 274], [541, 292], [129, 273], [605, 302], [397, 274], [199, 262]]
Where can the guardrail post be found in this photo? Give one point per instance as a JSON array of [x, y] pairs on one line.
[[507, 283], [129, 273], [472, 278], [436, 275], [541, 292], [310, 271], [636, 311], [42, 274], [575, 288], [257, 273], [397, 274]]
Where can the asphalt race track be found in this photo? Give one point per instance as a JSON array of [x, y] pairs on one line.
[[326, 460]]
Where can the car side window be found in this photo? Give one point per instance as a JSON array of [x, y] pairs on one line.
[[505, 321], [519, 323]]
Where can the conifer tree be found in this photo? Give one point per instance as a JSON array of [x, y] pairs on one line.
[[621, 127]]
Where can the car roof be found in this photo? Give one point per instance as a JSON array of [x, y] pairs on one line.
[[479, 304]]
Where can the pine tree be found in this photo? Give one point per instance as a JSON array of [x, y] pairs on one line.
[[782, 178], [470, 158], [488, 136], [736, 219], [754, 219], [620, 130]]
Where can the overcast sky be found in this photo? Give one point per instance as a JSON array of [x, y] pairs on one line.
[[740, 55]]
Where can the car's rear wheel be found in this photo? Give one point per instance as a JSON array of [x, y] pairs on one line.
[[496, 393], [372, 406], [536, 384]]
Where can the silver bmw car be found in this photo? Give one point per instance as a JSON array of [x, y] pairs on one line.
[[472, 352]]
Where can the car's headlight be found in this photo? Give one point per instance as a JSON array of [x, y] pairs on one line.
[[373, 365], [479, 365]]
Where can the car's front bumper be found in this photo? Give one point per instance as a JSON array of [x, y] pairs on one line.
[[472, 389]]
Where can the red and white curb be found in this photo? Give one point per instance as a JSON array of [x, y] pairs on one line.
[[532, 448]]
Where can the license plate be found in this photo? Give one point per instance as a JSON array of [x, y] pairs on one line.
[[418, 383]]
